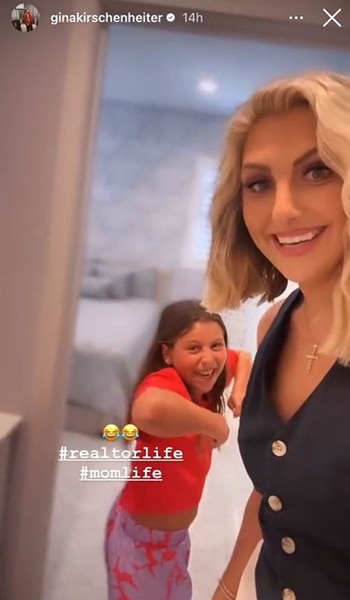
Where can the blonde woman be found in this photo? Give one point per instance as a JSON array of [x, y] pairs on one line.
[[281, 212]]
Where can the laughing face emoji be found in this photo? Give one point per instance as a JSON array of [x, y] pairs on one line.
[[110, 432], [130, 432]]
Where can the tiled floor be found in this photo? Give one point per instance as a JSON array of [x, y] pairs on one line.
[[75, 568]]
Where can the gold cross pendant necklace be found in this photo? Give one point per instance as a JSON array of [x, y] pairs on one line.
[[312, 357]]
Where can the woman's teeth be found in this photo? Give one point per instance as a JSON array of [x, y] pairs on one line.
[[298, 239]]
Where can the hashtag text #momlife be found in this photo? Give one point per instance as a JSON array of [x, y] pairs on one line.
[[123, 474]]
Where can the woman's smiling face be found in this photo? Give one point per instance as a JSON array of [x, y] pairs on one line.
[[291, 200]]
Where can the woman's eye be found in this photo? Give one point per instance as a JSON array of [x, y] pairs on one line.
[[318, 172], [257, 185]]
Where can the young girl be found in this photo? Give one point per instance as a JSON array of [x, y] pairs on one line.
[[178, 404]]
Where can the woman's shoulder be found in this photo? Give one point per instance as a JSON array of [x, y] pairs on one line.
[[267, 319], [273, 311]]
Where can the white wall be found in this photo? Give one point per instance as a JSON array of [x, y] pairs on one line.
[[47, 105], [144, 181]]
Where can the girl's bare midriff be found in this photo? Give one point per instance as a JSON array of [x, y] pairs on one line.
[[167, 522]]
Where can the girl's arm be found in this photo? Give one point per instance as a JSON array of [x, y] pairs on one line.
[[241, 378], [164, 413]]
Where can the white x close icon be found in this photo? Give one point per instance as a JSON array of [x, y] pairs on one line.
[[332, 17]]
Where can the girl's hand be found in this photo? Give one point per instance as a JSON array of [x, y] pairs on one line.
[[216, 444], [234, 403], [220, 431]]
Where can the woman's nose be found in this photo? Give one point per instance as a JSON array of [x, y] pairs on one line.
[[285, 205]]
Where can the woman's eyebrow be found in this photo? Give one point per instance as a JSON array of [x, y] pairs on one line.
[[295, 163]]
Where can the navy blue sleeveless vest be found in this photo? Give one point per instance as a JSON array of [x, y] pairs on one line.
[[302, 471]]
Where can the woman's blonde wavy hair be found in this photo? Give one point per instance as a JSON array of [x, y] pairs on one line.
[[237, 270]]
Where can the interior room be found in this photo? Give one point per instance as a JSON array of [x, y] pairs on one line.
[[160, 132], [88, 148]]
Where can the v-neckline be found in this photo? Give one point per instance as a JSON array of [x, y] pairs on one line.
[[280, 333]]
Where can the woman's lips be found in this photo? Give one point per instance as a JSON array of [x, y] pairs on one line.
[[294, 246]]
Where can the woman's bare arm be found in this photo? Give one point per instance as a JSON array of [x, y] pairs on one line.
[[250, 532]]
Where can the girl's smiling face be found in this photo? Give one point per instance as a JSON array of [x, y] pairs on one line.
[[199, 356]]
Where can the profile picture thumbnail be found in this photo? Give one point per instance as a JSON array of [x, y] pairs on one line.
[[25, 17]]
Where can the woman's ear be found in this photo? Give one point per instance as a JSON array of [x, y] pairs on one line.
[[166, 355]]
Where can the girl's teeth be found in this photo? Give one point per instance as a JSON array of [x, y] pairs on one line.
[[206, 374]]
